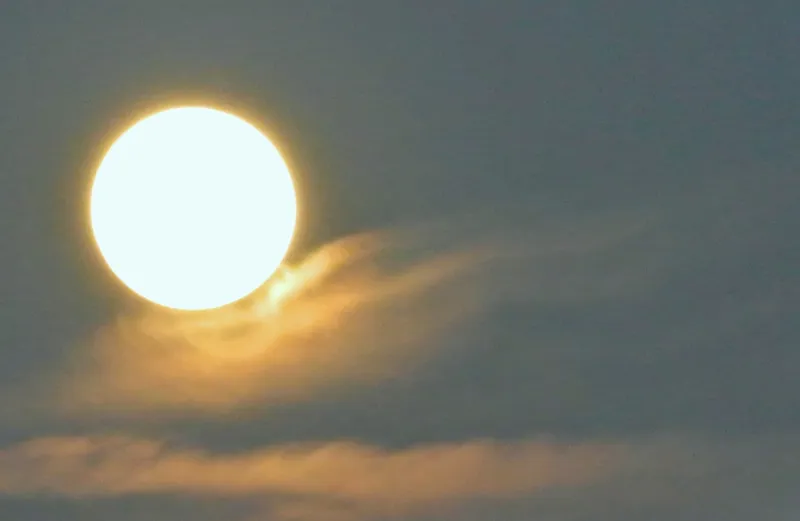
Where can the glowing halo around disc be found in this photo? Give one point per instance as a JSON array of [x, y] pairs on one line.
[[193, 208]]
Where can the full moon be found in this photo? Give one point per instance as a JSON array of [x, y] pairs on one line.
[[193, 208]]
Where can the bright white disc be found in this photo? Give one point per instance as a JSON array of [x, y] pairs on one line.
[[193, 208]]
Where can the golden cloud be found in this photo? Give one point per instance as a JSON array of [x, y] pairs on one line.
[[356, 311], [351, 475], [355, 308]]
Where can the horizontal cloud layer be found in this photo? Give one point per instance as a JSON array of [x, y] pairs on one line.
[[349, 473], [343, 480]]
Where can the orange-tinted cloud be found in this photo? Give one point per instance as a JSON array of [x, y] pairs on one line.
[[348, 481], [341, 313], [355, 311], [343, 477]]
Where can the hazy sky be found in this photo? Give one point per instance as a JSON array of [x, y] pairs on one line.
[[549, 253]]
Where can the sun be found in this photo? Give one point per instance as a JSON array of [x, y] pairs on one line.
[[193, 208]]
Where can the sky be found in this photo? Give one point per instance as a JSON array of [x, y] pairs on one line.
[[545, 269]]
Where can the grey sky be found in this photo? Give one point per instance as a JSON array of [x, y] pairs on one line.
[[623, 175]]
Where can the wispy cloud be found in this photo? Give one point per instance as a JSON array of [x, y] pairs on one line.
[[355, 311]]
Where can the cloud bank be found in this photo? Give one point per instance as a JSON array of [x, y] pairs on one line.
[[551, 325], [115, 466], [345, 480]]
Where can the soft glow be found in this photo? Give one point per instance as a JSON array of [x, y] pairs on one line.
[[193, 208]]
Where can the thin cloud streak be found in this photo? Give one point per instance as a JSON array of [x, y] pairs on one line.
[[339, 472], [112, 466], [352, 481]]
